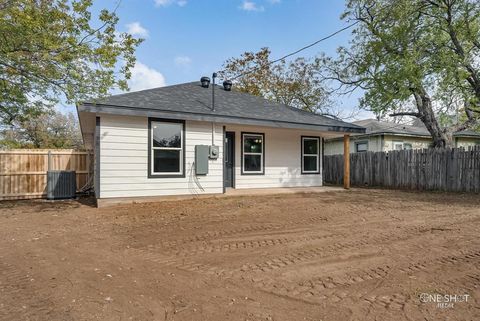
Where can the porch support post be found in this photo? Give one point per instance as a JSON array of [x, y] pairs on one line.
[[346, 161]]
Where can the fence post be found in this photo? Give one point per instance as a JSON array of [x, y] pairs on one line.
[[49, 160], [346, 161]]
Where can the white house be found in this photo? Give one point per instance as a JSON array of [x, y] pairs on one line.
[[382, 136], [176, 141]]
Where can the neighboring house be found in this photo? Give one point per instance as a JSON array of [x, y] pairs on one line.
[[386, 136], [169, 141]]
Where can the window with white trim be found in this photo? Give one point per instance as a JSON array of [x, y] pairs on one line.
[[310, 155], [167, 150], [252, 153], [398, 145], [361, 147]]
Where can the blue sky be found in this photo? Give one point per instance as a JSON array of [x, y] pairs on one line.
[[187, 39]]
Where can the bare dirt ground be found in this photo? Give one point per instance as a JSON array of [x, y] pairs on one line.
[[358, 255]]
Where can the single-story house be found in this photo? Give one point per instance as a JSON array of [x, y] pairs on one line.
[[176, 141], [381, 136]]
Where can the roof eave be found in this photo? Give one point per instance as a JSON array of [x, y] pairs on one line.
[[132, 111]]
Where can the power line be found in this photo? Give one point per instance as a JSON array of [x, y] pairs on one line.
[[297, 51]]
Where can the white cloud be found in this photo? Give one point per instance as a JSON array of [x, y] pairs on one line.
[[251, 6], [165, 3], [136, 29], [182, 61], [144, 77]]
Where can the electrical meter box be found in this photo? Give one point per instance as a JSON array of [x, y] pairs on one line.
[[201, 159], [214, 151]]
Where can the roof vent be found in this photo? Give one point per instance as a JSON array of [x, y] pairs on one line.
[[227, 85], [205, 82]]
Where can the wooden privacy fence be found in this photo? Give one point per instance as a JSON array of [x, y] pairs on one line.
[[453, 170], [23, 173]]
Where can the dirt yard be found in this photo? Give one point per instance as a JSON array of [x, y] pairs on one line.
[[358, 255]]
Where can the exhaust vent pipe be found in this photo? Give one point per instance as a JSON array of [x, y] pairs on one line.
[[205, 81], [227, 85]]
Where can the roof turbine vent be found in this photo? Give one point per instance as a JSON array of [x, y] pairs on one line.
[[227, 85], [205, 81]]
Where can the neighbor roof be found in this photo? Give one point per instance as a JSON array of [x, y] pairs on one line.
[[375, 127], [193, 102]]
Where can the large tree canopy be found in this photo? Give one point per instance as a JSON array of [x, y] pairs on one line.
[[50, 50], [297, 83], [51, 129], [415, 57]]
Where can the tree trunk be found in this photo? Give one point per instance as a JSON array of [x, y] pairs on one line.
[[441, 139]]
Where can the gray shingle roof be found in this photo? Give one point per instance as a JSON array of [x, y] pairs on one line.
[[374, 127], [190, 99]]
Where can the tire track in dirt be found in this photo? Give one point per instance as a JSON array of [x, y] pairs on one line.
[[248, 244], [209, 235], [381, 272], [284, 260], [324, 251]]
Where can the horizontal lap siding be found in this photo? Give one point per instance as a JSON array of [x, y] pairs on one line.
[[124, 160], [282, 159]]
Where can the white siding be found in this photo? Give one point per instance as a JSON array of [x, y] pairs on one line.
[[124, 160], [282, 159]]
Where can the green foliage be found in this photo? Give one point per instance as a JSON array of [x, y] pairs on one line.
[[419, 56], [48, 130], [52, 51], [295, 83]]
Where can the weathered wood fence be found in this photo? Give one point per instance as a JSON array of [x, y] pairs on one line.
[[455, 170], [23, 173]]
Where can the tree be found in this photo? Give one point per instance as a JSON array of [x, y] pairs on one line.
[[296, 83], [50, 50], [48, 130], [414, 57]]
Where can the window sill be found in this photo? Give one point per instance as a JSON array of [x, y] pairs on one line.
[[252, 174], [310, 173], [166, 176]]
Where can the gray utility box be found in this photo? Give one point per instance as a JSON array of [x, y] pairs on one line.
[[201, 159], [61, 184]]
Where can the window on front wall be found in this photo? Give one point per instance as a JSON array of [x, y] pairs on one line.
[[310, 155], [166, 148], [361, 147], [252, 153], [407, 146]]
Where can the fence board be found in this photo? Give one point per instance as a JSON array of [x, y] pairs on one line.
[[23, 173], [453, 170]]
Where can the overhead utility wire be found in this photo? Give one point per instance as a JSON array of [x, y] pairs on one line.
[[297, 51]]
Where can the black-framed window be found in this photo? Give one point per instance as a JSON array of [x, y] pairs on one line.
[[166, 144], [361, 147], [310, 155], [253, 153]]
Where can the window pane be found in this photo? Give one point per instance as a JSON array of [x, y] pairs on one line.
[[362, 147], [252, 163], [166, 161], [252, 144], [310, 164], [310, 146], [407, 146], [167, 134]]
